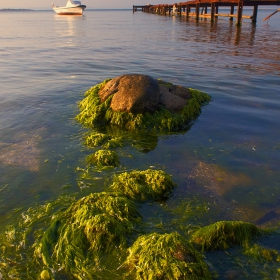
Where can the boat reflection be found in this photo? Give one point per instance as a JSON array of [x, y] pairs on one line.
[[69, 27]]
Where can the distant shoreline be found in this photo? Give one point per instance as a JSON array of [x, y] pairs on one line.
[[16, 10]]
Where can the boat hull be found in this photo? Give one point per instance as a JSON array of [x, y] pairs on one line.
[[78, 10]]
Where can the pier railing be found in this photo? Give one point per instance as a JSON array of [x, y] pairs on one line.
[[199, 8]]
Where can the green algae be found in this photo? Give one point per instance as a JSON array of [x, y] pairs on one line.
[[262, 254], [225, 234], [165, 256], [71, 241], [144, 185], [16, 257], [10, 233], [94, 113], [115, 137], [92, 110], [91, 227], [165, 84], [188, 213], [95, 139], [104, 158], [45, 275]]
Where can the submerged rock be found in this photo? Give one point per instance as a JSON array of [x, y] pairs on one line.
[[22, 152], [271, 215]]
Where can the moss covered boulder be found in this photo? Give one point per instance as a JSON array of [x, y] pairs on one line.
[[104, 158], [136, 101], [146, 185], [90, 228], [225, 234], [95, 139], [165, 256]]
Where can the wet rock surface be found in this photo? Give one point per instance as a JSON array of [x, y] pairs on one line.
[[132, 93], [137, 93]]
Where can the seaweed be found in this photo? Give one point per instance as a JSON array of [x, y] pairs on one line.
[[91, 227], [165, 84], [94, 113], [95, 139], [92, 110], [144, 185], [225, 234], [104, 158], [165, 256], [262, 254], [46, 275]]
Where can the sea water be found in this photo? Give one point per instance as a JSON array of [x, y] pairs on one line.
[[228, 158]]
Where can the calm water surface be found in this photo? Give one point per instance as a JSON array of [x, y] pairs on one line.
[[230, 156]]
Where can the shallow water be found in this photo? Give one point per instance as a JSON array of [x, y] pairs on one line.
[[230, 156]]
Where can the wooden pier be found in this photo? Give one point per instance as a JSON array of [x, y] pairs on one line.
[[199, 9]]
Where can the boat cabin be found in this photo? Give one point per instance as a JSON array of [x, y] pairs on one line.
[[71, 3]]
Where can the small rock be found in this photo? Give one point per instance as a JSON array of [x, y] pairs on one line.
[[170, 101], [181, 91]]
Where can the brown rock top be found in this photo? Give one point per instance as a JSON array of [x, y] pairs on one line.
[[138, 93]]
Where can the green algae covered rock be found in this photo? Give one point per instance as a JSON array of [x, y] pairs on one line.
[[90, 228], [96, 139], [104, 158], [144, 185], [165, 256], [224, 234], [163, 115]]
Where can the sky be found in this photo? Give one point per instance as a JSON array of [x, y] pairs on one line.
[[95, 4]]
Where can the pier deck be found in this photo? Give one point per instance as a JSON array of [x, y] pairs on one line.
[[201, 8]]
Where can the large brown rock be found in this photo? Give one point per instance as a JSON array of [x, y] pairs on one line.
[[133, 93], [138, 93]]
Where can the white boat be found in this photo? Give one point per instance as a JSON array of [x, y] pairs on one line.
[[71, 8]]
